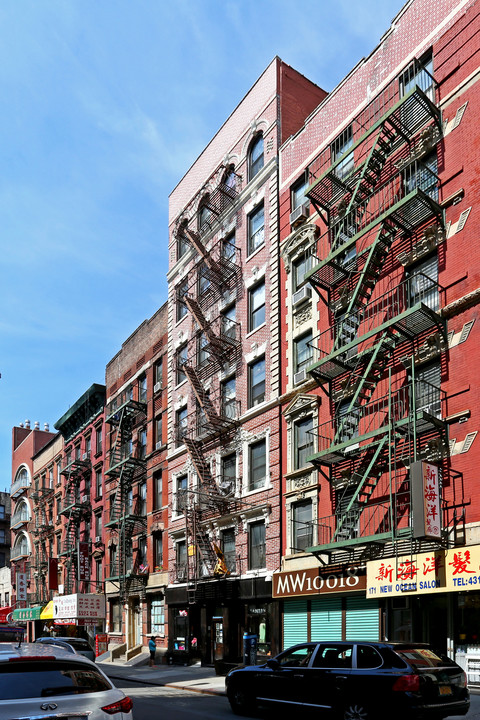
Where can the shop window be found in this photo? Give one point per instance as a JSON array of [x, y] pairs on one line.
[[157, 616]]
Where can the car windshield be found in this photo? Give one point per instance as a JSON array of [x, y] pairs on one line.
[[423, 657], [45, 679]]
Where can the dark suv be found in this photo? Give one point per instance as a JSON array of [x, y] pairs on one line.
[[355, 680]]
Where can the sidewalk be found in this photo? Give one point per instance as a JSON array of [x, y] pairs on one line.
[[193, 677]]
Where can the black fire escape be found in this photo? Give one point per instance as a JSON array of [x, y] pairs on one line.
[[127, 469], [76, 508], [43, 532], [379, 199], [215, 347]]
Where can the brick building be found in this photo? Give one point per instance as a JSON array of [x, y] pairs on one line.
[[380, 280], [224, 376], [135, 499]]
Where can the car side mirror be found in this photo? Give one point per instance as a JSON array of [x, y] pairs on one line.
[[273, 664]]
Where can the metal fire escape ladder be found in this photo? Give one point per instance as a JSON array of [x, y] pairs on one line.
[[366, 478], [202, 397], [211, 264]]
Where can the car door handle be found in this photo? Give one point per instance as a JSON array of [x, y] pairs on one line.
[[341, 678]]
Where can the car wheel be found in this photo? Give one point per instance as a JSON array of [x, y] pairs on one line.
[[356, 711], [241, 701]]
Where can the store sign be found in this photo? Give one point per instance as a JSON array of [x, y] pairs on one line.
[[426, 493], [318, 581], [21, 586], [79, 606], [83, 561], [452, 570]]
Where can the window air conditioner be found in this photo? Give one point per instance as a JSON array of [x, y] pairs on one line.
[[85, 456], [98, 538], [305, 293], [157, 387], [158, 445], [300, 214], [85, 498], [299, 377]]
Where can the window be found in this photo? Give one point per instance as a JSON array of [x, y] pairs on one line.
[[203, 354], [427, 389], [298, 193], [421, 174], [228, 548], [256, 306], [419, 73], [115, 616], [142, 389], [300, 267], [157, 490], [181, 494], [256, 229], [98, 439], [423, 284], [255, 156], [98, 574], [158, 372], [302, 352], [142, 444], [257, 464], [157, 616], [182, 241], [256, 545], [348, 420], [181, 559], [98, 483], [59, 467], [302, 526], [228, 473], [256, 382], [158, 550], [158, 431], [88, 446], [303, 442], [2, 536], [77, 452], [229, 404], [181, 357], [204, 214], [98, 525], [339, 147], [50, 472], [203, 279], [182, 309], [228, 247], [2, 512], [142, 493], [228, 323], [142, 551]]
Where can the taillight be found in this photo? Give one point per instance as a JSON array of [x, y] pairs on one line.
[[27, 658], [463, 679], [123, 705], [407, 683]]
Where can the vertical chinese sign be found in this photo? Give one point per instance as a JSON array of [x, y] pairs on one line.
[[83, 562], [426, 497], [21, 587]]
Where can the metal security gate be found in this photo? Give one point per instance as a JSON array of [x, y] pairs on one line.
[[295, 622], [362, 619], [326, 619]]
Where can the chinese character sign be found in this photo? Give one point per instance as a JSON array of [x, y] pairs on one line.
[[81, 607], [426, 500], [21, 586], [83, 561]]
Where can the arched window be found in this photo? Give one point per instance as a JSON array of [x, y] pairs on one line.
[[204, 214], [230, 177], [255, 156], [20, 547]]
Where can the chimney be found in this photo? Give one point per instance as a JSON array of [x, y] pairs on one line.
[[27, 424], [37, 425], [46, 427], [21, 425]]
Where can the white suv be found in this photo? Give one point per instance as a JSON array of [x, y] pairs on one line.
[[40, 681]]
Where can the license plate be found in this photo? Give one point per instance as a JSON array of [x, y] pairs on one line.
[[445, 690]]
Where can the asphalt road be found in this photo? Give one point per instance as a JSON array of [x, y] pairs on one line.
[[177, 704]]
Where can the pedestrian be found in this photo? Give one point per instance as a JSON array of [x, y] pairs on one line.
[[152, 646]]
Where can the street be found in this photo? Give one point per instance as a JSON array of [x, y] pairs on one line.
[[178, 704]]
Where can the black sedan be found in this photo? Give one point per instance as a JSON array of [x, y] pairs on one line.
[[354, 681]]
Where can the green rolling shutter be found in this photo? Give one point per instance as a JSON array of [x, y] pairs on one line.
[[295, 623], [326, 619], [362, 619]]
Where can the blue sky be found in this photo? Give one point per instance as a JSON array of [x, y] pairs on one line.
[[104, 105]]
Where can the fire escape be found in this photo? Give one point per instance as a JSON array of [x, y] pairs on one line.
[[215, 347], [76, 509], [127, 467], [377, 191], [43, 532]]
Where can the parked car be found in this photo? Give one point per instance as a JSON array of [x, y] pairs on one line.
[[355, 680], [46, 680], [80, 645]]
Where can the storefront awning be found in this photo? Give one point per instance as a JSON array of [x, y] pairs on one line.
[[33, 613], [4, 612], [47, 612]]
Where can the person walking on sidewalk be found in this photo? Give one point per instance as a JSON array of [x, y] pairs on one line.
[[152, 646]]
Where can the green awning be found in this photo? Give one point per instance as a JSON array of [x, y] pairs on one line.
[[32, 613]]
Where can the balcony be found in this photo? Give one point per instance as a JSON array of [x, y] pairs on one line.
[[22, 517], [409, 309], [126, 460], [128, 404], [20, 552], [19, 486], [417, 405]]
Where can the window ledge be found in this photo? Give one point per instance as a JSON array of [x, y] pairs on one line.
[[256, 251], [250, 332], [267, 486]]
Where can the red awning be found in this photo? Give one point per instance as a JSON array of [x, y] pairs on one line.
[[4, 612]]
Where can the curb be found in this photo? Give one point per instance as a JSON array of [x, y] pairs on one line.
[[203, 691]]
